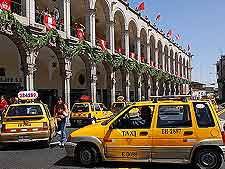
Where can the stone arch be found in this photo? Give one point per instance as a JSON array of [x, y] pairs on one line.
[[166, 55], [171, 61], [176, 64], [119, 28], [160, 54], [132, 31], [184, 68], [152, 48], [102, 21], [133, 86], [103, 83], [143, 39], [13, 66], [180, 67], [80, 80], [48, 78]]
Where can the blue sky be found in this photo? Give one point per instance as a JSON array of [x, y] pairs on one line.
[[200, 23]]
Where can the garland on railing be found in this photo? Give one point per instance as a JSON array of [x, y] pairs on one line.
[[117, 61]]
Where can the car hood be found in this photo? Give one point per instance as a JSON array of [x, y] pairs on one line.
[[94, 130]]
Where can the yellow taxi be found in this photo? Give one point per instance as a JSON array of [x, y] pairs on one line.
[[164, 130], [86, 111], [27, 121], [117, 106]]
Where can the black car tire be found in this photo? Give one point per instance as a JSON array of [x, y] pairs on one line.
[[208, 159], [88, 156]]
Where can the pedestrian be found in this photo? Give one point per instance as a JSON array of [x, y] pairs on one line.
[[61, 113], [3, 105]]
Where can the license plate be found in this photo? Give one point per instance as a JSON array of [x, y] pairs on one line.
[[23, 139]]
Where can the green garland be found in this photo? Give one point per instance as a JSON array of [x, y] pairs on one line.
[[117, 61]]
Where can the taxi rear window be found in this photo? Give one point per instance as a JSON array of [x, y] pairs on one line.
[[24, 110], [118, 105], [80, 108]]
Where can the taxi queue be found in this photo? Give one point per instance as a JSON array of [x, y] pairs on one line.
[[31, 121]]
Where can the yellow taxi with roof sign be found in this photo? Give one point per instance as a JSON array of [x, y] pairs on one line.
[[171, 129], [27, 121], [87, 111]]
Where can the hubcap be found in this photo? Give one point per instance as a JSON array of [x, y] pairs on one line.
[[208, 160], [85, 156]]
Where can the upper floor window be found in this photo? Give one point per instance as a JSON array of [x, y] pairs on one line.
[[16, 6]]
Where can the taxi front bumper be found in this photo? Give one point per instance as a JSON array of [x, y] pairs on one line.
[[70, 149], [24, 137]]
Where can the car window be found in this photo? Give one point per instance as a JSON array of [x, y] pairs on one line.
[[80, 108], [134, 118], [24, 110], [176, 116], [97, 107], [103, 107], [203, 115]]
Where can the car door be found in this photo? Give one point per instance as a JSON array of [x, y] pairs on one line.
[[52, 121], [130, 135], [173, 133]]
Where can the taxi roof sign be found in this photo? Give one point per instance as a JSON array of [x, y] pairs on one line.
[[27, 95]]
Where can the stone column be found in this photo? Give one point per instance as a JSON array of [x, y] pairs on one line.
[[29, 69], [126, 37], [127, 86], [175, 89], [66, 17], [164, 88], [139, 88], [113, 89], [30, 11], [148, 52], [139, 49], [157, 87], [149, 88], [93, 82], [156, 58], [92, 26], [112, 36], [67, 78]]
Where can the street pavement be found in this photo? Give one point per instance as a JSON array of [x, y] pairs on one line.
[[34, 156]]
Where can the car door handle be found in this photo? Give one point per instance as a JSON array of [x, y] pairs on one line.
[[188, 133], [144, 133]]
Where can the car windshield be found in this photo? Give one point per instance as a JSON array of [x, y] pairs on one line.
[[112, 117], [24, 110], [80, 108]]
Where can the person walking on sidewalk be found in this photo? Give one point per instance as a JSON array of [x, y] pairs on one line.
[[60, 113]]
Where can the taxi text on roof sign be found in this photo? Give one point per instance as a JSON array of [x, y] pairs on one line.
[[27, 95]]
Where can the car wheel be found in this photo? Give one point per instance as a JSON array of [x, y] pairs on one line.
[[208, 159], [88, 156]]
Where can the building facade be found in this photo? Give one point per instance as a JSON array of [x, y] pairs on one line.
[[52, 72], [220, 66]]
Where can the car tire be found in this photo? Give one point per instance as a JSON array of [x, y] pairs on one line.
[[208, 159], [88, 156]]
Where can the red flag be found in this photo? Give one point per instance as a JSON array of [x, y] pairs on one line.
[[141, 6], [189, 47], [80, 34], [5, 5], [103, 44], [120, 50], [169, 33], [158, 17], [49, 22], [132, 55], [142, 58], [178, 37]]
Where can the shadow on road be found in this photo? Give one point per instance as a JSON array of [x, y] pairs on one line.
[[22, 146], [69, 162]]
